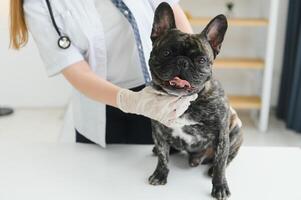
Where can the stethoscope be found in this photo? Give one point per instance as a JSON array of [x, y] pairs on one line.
[[64, 41]]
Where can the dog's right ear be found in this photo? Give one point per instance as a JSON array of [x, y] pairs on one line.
[[163, 21], [215, 32]]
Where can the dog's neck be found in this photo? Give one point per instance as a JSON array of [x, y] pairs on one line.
[[205, 92]]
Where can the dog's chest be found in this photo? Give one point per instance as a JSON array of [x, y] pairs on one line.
[[188, 134]]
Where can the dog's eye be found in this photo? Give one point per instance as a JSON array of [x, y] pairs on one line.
[[201, 60], [166, 53]]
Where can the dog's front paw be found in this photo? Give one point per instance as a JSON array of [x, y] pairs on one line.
[[158, 178], [193, 161], [155, 151], [210, 171], [220, 191]]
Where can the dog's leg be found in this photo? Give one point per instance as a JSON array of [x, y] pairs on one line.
[[203, 157], [236, 139], [159, 177], [220, 188], [195, 158], [236, 136], [155, 151], [172, 151]]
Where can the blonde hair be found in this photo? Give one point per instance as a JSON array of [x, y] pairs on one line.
[[18, 28]]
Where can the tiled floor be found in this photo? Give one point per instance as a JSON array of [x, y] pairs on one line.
[[44, 125]]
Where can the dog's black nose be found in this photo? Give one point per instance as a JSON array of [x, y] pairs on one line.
[[183, 63]]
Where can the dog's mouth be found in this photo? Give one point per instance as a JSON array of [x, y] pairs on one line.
[[178, 83]]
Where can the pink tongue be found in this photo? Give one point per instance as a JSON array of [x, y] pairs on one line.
[[176, 81]]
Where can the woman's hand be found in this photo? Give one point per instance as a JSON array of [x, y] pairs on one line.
[[148, 102], [154, 104]]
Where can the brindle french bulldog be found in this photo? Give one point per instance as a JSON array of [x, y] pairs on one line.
[[210, 130]]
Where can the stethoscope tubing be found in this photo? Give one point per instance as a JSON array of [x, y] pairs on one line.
[[63, 42], [52, 18]]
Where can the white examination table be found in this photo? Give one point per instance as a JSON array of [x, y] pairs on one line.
[[88, 172]]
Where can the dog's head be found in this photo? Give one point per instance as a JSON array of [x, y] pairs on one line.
[[181, 63]]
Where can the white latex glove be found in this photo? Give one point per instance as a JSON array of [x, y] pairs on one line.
[[154, 104]]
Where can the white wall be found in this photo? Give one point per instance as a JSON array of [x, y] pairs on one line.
[[23, 82], [281, 33]]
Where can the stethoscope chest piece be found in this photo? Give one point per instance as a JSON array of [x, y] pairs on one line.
[[64, 42]]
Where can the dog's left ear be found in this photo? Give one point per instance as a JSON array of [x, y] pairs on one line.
[[215, 32], [163, 21]]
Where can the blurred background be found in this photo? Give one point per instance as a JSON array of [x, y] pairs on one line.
[[258, 67]]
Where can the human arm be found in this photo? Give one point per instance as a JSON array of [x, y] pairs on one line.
[[182, 22], [148, 102], [88, 83]]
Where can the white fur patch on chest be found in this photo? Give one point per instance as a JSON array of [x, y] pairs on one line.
[[178, 133], [177, 127], [182, 121]]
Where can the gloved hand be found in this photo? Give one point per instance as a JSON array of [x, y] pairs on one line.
[[153, 104]]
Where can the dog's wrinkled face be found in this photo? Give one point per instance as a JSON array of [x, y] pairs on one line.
[[181, 63]]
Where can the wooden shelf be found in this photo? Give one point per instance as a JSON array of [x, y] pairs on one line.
[[245, 102], [243, 63], [202, 21]]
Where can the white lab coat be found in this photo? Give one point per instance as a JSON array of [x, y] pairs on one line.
[[80, 20]]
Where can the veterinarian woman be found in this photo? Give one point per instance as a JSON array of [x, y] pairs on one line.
[[101, 47]]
